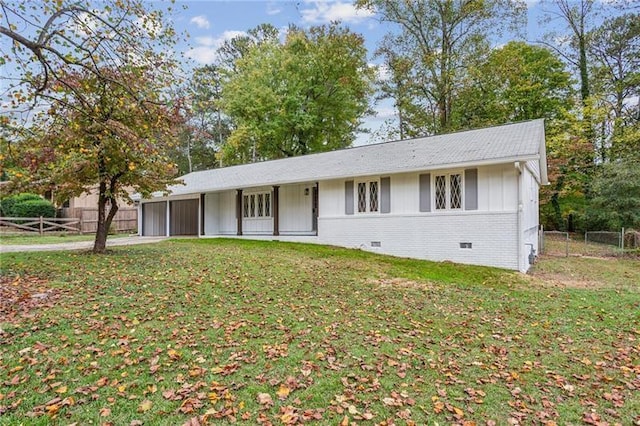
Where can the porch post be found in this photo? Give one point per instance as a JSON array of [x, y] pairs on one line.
[[239, 211], [201, 212], [168, 220], [276, 210]]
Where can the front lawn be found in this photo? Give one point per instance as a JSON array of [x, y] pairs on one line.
[[217, 331], [35, 238]]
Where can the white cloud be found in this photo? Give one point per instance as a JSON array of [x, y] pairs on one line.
[[323, 11], [205, 50], [201, 21], [272, 9]]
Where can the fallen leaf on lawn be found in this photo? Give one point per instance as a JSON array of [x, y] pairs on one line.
[[265, 400], [283, 392], [345, 421], [61, 389], [144, 406], [105, 412]]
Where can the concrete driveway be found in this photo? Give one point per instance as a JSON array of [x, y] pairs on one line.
[[79, 245]]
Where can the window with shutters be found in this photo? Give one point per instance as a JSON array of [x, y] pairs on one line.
[[448, 191], [257, 205], [368, 197]]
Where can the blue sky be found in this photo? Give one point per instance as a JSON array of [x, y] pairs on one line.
[[210, 22]]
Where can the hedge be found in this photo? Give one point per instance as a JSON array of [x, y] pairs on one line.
[[34, 208], [8, 204]]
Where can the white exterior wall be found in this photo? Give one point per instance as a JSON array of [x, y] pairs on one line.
[[435, 235], [529, 216], [295, 212], [498, 230], [295, 209], [220, 213], [429, 236], [256, 225]]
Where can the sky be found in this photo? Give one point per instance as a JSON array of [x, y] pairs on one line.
[[210, 22]]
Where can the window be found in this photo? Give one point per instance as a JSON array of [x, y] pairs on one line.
[[267, 204], [373, 196], [368, 200], [448, 191], [256, 205]]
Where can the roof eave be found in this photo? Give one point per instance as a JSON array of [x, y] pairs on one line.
[[427, 168]]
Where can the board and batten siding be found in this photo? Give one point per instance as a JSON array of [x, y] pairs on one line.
[[490, 224], [154, 219], [295, 212], [220, 213], [497, 190], [295, 209], [530, 215]]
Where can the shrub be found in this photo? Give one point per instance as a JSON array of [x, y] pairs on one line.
[[7, 205], [34, 208]]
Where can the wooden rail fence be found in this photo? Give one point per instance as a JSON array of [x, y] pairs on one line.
[[42, 224]]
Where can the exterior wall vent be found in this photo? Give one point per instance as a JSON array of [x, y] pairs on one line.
[[376, 244], [465, 245]]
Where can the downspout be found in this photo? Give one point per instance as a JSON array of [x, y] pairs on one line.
[[518, 167]]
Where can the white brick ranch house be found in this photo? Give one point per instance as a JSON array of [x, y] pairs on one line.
[[468, 197]]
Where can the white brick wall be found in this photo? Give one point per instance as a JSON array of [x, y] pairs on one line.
[[432, 236]]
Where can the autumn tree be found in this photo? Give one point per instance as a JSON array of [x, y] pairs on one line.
[[305, 95], [84, 84], [105, 138], [45, 42], [441, 39]]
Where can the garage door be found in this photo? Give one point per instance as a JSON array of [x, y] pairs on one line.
[[154, 219], [184, 217]]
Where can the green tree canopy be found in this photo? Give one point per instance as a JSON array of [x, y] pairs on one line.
[[303, 96], [517, 82], [442, 40], [616, 197]]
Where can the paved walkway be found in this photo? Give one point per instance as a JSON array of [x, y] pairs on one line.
[[79, 245]]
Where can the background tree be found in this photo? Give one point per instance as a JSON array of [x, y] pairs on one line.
[[303, 96], [206, 128], [106, 138], [615, 51], [441, 38], [616, 197], [517, 82], [235, 48], [578, 17]]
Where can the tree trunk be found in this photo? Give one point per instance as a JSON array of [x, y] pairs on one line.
[[105, 219]]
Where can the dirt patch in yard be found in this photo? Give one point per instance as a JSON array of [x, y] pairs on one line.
[[397, 283], [558, 280], [21, 296]]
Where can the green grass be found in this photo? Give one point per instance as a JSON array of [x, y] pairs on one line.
[[165, 332], [31, 239]]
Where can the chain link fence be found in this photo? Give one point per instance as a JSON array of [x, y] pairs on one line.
[[590, 243]]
